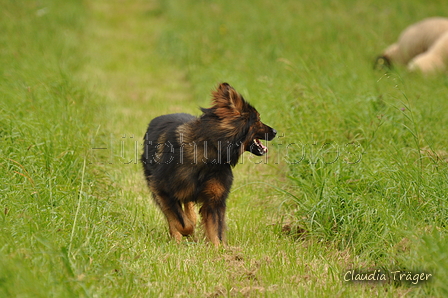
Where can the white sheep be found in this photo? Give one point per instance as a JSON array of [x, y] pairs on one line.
[[434, 60], [422, 46]]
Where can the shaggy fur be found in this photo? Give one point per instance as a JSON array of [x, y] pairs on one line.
[[188, 160], [434, 60]]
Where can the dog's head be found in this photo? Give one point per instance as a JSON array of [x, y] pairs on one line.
[[240, 121]]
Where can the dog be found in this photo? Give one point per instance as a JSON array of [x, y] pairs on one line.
[[188, 160]]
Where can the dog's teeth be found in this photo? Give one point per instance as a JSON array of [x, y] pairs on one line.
[[260, 145]]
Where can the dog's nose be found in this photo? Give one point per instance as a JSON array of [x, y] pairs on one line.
[[274, 132]]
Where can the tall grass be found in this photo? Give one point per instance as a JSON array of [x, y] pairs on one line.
[[45, 120]]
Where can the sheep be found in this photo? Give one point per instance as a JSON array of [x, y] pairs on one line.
[[419, 46], [434, 59]]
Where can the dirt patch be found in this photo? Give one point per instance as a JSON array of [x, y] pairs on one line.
[[243, 273]]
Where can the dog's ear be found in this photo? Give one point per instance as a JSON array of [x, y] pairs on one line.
[[226, 94]]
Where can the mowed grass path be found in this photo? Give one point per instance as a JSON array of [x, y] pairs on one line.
[[78, 220], [136, 87]]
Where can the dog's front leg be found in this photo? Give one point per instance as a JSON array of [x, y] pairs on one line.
[[213, 219]]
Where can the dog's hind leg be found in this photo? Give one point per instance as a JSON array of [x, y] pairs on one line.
[[178, 222], [190, 216], [190, 213]]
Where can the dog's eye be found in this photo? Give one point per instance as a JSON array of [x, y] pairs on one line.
[[251, 117]]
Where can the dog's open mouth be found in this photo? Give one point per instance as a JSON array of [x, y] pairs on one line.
[[258, 148]]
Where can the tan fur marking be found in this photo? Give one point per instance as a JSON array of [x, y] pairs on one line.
[[211, 230], [174, 226], [186, 139], [190, 213], [160, 146], [184, 133], [227, 114], [214, 189], [236, 99]]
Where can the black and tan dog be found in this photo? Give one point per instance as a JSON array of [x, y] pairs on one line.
[[188, 160]]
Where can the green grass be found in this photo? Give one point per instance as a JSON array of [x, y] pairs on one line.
[[357, 178]]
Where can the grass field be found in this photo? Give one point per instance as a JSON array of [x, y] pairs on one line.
[[356, 181]]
